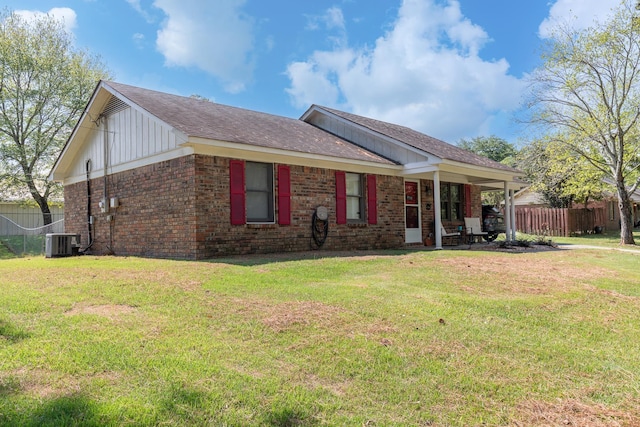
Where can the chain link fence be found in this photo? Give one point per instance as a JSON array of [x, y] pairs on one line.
[[26, 240]]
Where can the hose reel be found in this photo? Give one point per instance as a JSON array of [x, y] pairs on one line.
[[320, 225]]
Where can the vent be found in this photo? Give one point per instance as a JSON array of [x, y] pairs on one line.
[[115, 105], [61, 244]]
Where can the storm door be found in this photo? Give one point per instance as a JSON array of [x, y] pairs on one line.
[[412, 223]]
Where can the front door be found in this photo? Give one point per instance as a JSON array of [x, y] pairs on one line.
[[412, 223]]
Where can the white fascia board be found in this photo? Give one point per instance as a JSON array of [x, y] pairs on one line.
[[444, 165], [146, 161], [378, 135], [481, 172], [307, 113], [275, 155], [420, 168], [98, 100], [462, 173], [499, 186], [451, 164]]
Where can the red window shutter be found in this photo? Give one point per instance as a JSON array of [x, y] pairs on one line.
[[467, 201], [237, 190], [284, 195], [341, 198], [372, 199]]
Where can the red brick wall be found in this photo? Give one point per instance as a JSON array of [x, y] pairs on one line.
[[476, 202], [156, 216], [180, 209], [310, 188]]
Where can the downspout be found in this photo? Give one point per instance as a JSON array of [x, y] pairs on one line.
[[105, 146], [89, 217]]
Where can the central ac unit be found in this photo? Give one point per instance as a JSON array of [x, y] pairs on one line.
[[61, 244]]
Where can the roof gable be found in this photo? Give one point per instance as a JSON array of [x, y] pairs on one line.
[[199, 118], [154, 126], [415, 139]]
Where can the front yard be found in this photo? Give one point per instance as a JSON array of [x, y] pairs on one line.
[[446, 338]]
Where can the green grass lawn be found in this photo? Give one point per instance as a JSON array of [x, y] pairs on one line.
[[440, 338], [609, 239]]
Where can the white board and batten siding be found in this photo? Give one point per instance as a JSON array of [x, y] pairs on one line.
[[134, 135], [365, 139], [133, 139]]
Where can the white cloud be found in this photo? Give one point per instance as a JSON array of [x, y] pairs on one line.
[[135, 4], [424, 73], [311, 84], [579, 14], [65, 15], [331, 19], [335, 18], [138, 40], [213, 36]]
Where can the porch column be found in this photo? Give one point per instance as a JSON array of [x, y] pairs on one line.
[[512, 196], [507, 212], [436, 210]]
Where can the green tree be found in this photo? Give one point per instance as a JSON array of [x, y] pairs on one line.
[[45, 84], [494, 148], [587, 97], [561, 176]]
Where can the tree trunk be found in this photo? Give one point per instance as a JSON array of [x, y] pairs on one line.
[[41, 200], [46, 213], [626, 215], [43, 203]]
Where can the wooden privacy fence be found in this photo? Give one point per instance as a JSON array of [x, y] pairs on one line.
[[558, 222]]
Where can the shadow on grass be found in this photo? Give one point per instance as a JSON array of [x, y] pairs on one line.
[[288, 418], [261, 259], [72, 410], [11, 333], [8, 386], [183, 403]]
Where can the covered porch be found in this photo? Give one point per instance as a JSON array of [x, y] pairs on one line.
[[440, 194]]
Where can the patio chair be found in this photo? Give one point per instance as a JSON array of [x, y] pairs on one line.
[[474, 229], [451, 237]]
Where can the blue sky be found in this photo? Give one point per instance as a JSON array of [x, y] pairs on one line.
[[449, 68]]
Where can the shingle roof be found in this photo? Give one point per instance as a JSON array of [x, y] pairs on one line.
[[420, 141], [205, 119]]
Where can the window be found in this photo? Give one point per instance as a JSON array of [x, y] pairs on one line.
[[450, 201], [355, 201], [259, 192], [251, 188], [350, 198]]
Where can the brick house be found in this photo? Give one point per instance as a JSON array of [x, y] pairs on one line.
[[151, 174]]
